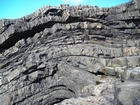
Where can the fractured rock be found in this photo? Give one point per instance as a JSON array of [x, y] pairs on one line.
[[71, 52]]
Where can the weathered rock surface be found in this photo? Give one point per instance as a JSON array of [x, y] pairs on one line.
[[127, 93], [69, 52], [101, 94]]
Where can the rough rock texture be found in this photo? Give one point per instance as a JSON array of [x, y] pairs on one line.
[[128, 93], [71, 52]]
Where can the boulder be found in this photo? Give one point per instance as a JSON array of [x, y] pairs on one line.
[[127, 93]]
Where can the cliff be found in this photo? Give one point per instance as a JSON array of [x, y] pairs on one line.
[[83, 55]]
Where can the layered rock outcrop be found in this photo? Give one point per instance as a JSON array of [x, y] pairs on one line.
[[66, 52]]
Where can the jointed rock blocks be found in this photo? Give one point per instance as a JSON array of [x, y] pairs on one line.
[[71, 52]]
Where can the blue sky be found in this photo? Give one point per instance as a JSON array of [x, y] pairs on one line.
[[11, 9]]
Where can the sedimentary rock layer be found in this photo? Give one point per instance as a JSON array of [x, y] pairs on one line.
[[57, 52]]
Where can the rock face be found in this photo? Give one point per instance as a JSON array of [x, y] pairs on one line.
[[71, 52]]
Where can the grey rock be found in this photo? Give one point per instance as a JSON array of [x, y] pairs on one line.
[[86, 101], [136, 101], [110, 71], [126, 74], [65, 52], [127, 93], [100, 94], [13, 75], [119, 71], [130, 73], [135, 74], [36, 75]]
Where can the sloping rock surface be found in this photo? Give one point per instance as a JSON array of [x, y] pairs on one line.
[[64, 52]]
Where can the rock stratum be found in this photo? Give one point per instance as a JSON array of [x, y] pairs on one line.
[[72, 55]]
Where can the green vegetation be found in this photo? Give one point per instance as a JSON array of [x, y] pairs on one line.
[[115, 77], [98, 82], [103, 76], [124, 68]]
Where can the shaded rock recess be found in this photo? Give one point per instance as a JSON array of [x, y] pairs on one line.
[[72, 55]]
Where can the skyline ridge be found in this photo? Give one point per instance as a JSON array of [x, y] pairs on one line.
[[17, 9]]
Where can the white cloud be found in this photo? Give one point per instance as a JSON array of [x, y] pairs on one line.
[[73, 1]]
